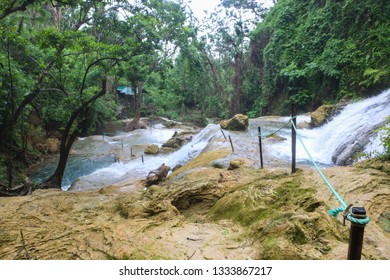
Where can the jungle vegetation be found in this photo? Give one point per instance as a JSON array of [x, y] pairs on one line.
[[62, 60]]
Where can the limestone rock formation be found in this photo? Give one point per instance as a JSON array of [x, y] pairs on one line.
[[176, 141], [239, 122], [152, 149], [236, 163], [324, 114]]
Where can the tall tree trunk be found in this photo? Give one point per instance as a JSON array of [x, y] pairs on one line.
[[68, 138], [57, 14], [135, 123], [217, 79], [235, 105], [5, 128]]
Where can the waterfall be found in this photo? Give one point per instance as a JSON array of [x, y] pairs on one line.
[[336, 142], [351, 132], [135, 169]]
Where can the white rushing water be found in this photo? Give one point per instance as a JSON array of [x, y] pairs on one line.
[[350, 132], [136, 169], [337, 142]]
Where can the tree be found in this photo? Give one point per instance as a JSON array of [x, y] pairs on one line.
[[313, 52], [232, 40], [45, 58]]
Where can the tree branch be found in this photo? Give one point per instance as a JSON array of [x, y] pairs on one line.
[[11, 9]]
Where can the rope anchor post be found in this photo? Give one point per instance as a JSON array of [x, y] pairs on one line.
[[293, 139], [231, 143], [261, 149], [356, 233]]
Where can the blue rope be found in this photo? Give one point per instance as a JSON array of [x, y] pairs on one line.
[[344, 207], [279, 129], [269, 134]]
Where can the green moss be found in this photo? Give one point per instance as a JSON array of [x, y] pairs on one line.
[[385, 221], [6, 238], [237, 209], [298, 235], [121, 210]]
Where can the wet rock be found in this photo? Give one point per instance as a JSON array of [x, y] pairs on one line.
[[152, 149], [239, 122], [176, 167], [325, 113], [276, 138], [178, 140], [166, 150], [174, 143], [321, 115]]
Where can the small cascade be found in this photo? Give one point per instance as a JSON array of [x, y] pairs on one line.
[[136, 169], [340, 140], [337, 142]]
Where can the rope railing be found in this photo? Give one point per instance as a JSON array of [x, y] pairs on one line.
[[276, 131], [344, 207]]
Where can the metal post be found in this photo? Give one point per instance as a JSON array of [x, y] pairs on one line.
[[261, 149], [356, 234], [231, 143], [223, 134], [293, 140], [142, 156]]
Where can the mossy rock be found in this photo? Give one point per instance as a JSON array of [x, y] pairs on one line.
[[324, 114], [276, 138], [152, 149], [236, 163], [239, 122], [174, 143], [53, 145]]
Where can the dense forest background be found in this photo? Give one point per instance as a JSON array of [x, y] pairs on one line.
[[62, 61]]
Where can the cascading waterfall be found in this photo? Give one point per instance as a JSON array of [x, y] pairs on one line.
[[349, 133], [337, 142], [135, 169]]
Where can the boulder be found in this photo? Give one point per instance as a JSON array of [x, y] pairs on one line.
[[152, 149], [53, 145], [174, 142], [275, 138], [178, 140], [239, 122], [324, 114]]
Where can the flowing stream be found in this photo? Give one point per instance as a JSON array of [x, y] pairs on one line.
[[92, 159]]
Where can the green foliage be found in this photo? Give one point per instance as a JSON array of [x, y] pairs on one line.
[[321, 51], [385, 140]]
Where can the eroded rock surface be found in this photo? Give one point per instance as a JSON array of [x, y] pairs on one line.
[[203, 212], [239, 122]]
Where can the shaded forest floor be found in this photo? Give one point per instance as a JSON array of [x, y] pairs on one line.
[[203, 211]]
